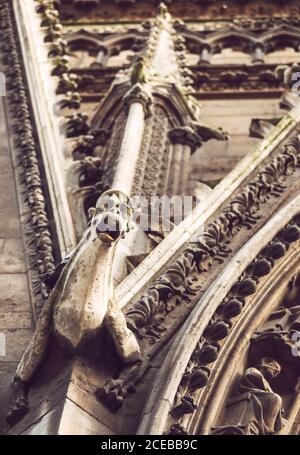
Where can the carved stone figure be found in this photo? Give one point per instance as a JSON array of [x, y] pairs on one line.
[[77, 124], [78, 306], [70, 100], [86, 145], [207, 133], [61, 65], [67, 83], [138, 75], [257, 409]]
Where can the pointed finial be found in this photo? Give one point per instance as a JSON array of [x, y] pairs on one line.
[[163, 10]]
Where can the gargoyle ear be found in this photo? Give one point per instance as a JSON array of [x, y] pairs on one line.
[[91, 212]]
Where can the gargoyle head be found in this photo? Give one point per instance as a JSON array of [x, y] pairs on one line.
[[112, 216]]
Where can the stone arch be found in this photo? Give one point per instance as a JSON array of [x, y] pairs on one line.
[[102, 49], [159, 409]]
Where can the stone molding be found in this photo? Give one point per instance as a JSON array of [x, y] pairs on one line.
[[42, 86], [38, 237]]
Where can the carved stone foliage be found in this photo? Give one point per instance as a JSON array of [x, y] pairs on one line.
[[58, 52], [152, 168], [209, 346], [86, 145], [208, 79], [224, 78], [77, 125], [159, 312], [211, 246], [264, 392], [34, 206], [111, 151]]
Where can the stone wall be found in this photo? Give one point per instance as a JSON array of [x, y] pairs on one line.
[[215, 159]]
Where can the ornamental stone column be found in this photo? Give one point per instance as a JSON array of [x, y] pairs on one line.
[[205, 54], [184, 142], [102, 56], [258, 54], [137, 102]]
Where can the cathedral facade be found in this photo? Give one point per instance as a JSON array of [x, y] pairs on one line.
[[150, 217]]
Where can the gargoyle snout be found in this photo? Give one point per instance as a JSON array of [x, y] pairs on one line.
[[109, 229]]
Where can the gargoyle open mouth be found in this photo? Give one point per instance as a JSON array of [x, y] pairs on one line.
[[109, 229]]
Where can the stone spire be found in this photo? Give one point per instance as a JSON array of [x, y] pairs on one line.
[[158, 69], [165, 50], [162, 60]]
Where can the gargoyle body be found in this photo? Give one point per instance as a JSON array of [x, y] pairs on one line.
[[207, 133], [82, 298]]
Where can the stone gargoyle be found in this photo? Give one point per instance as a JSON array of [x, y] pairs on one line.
[[81, 301]]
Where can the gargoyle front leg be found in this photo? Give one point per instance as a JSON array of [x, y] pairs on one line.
[[124, 339], [20, 404], [113, 393], [28, 365]]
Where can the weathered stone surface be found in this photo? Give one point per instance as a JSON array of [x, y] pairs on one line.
[[214, 160], [7, 181], [75, 420], [46, 394], [14, 293], [66, 418], [12, 257], [9, 223], [16, 320], [16, 342], [8, 196], [48, 424]]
